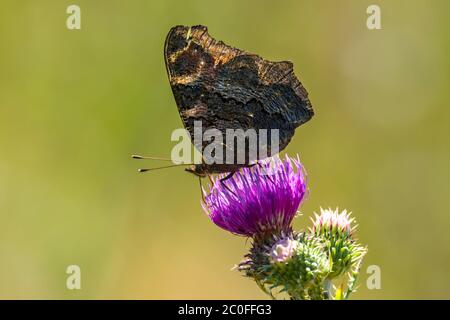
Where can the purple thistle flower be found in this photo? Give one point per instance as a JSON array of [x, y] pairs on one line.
[[258, 200]]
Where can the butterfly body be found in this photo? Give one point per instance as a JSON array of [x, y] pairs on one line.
[[203, 170]]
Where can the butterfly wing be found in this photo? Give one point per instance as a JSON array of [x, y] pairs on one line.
[[227, 88]]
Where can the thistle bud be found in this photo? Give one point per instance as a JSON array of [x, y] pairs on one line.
[[335, 231]]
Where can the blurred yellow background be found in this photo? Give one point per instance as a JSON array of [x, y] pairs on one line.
[[74, 105]]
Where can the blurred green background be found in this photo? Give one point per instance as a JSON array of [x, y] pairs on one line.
[[74, 105]]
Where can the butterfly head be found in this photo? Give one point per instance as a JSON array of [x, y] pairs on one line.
[[198, 170]]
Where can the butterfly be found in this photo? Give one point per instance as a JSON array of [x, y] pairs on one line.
[[225, 89]]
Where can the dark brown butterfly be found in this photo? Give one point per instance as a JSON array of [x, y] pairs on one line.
[[227, 88]]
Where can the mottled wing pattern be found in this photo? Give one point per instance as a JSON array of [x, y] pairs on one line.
[[227, 88]]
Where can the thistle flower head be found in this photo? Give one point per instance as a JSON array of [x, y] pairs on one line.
[[258, 200], [332, 222]]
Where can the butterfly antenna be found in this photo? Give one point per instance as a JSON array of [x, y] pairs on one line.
[[135, 156], [201, 189], [163, 167]]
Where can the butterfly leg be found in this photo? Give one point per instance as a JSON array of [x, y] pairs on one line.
[[201, 191], [222, 182], [264, 169], [229, 176]]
